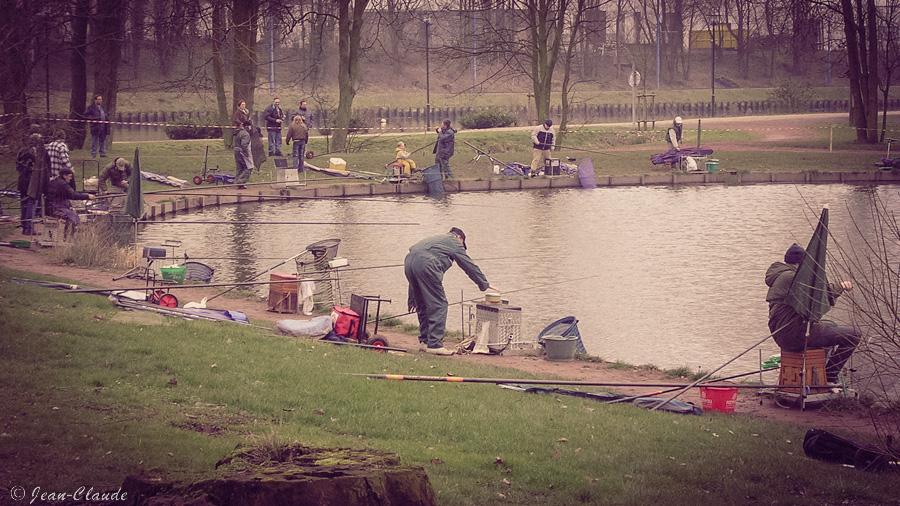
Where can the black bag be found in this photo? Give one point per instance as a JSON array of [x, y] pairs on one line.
[[822, 445]]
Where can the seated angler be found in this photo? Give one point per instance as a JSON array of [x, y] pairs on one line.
[[789, 327], [59, 195]]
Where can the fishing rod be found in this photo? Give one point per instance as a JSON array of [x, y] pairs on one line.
[[590, 151], [460, 379], [721, 366], [247, 222], [178, 287], [505, 292], [628, 399]]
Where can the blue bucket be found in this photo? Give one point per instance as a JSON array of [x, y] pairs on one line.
[[434, 180], [564, 327]]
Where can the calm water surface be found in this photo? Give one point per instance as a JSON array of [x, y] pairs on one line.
[[671, 276]]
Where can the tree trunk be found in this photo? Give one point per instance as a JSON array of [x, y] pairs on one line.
[[78, 68], [109, 28], [350, 29], [14, 32], [218, 64], [245, 17], [859, 32], [544, 22]]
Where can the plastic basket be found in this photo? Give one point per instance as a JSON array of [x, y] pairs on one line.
[[175, 274], [718, 399]]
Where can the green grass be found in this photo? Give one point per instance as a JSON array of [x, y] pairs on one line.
[[88, 399]]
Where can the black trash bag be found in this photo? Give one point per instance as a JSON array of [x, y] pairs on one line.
[[823, 445]]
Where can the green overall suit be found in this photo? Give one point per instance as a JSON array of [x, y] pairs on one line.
[[425, 266]]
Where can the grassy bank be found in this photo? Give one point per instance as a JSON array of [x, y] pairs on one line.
[[93, 394]]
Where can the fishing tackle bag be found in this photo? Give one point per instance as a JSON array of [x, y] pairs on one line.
[[823, 445], [345, 322]]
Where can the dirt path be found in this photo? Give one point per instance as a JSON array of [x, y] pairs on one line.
[[854, 422]]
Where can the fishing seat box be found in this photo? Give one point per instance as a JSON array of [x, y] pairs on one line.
[[282, 296], [792, 367], [551, 167]]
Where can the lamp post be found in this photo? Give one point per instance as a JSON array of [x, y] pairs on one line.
[[427, 79], [712, 44]]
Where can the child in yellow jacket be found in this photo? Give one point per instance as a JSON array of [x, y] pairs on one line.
[[403, 158]]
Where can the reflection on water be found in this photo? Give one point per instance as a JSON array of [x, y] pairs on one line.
[[670, 276]]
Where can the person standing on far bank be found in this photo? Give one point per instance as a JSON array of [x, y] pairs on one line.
[[99, 122], [443, 148], [298, 133], [243, 158], [274, 117], [542, 142]]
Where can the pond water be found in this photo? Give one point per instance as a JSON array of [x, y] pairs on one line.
[[670, 276]]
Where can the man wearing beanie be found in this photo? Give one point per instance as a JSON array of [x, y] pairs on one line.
[[789, 328], [425, 265]]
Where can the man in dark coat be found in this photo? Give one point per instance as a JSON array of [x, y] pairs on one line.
[[425, 265], [443, 148], [789, 328], [60, 193], [274, 117], [25, 167], [99, 126]]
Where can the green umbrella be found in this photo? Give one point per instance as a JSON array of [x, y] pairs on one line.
[[134, 205], [809, 290]]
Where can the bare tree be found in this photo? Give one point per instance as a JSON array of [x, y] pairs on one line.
[[350, 28], [889, 19], [15, 41], [78, 69], [870, 258], [109, 38], [861, 41], [245, 22]]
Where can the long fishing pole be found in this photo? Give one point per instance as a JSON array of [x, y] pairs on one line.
[[719, 368], [505, 292], [589, 151], [177, 287], [253, 198], [248, 222], [260, 274], [628, 399], [460, 379]]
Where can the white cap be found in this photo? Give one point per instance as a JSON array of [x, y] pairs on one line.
[[678, 120]]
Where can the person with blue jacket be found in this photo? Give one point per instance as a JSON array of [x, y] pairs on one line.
[[425, 265]]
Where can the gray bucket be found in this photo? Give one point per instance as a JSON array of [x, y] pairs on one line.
[[559, 348], [434, 180]]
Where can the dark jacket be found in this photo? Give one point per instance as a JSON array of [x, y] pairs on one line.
[[272, 114], [307, 116], [59, 193], [115, 176], [96, 112], [242, 141], [297, 132], [445, 144], [24, 166], [542, 138], [787, 326]]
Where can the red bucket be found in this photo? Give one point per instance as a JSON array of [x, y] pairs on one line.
[[718, 399]]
